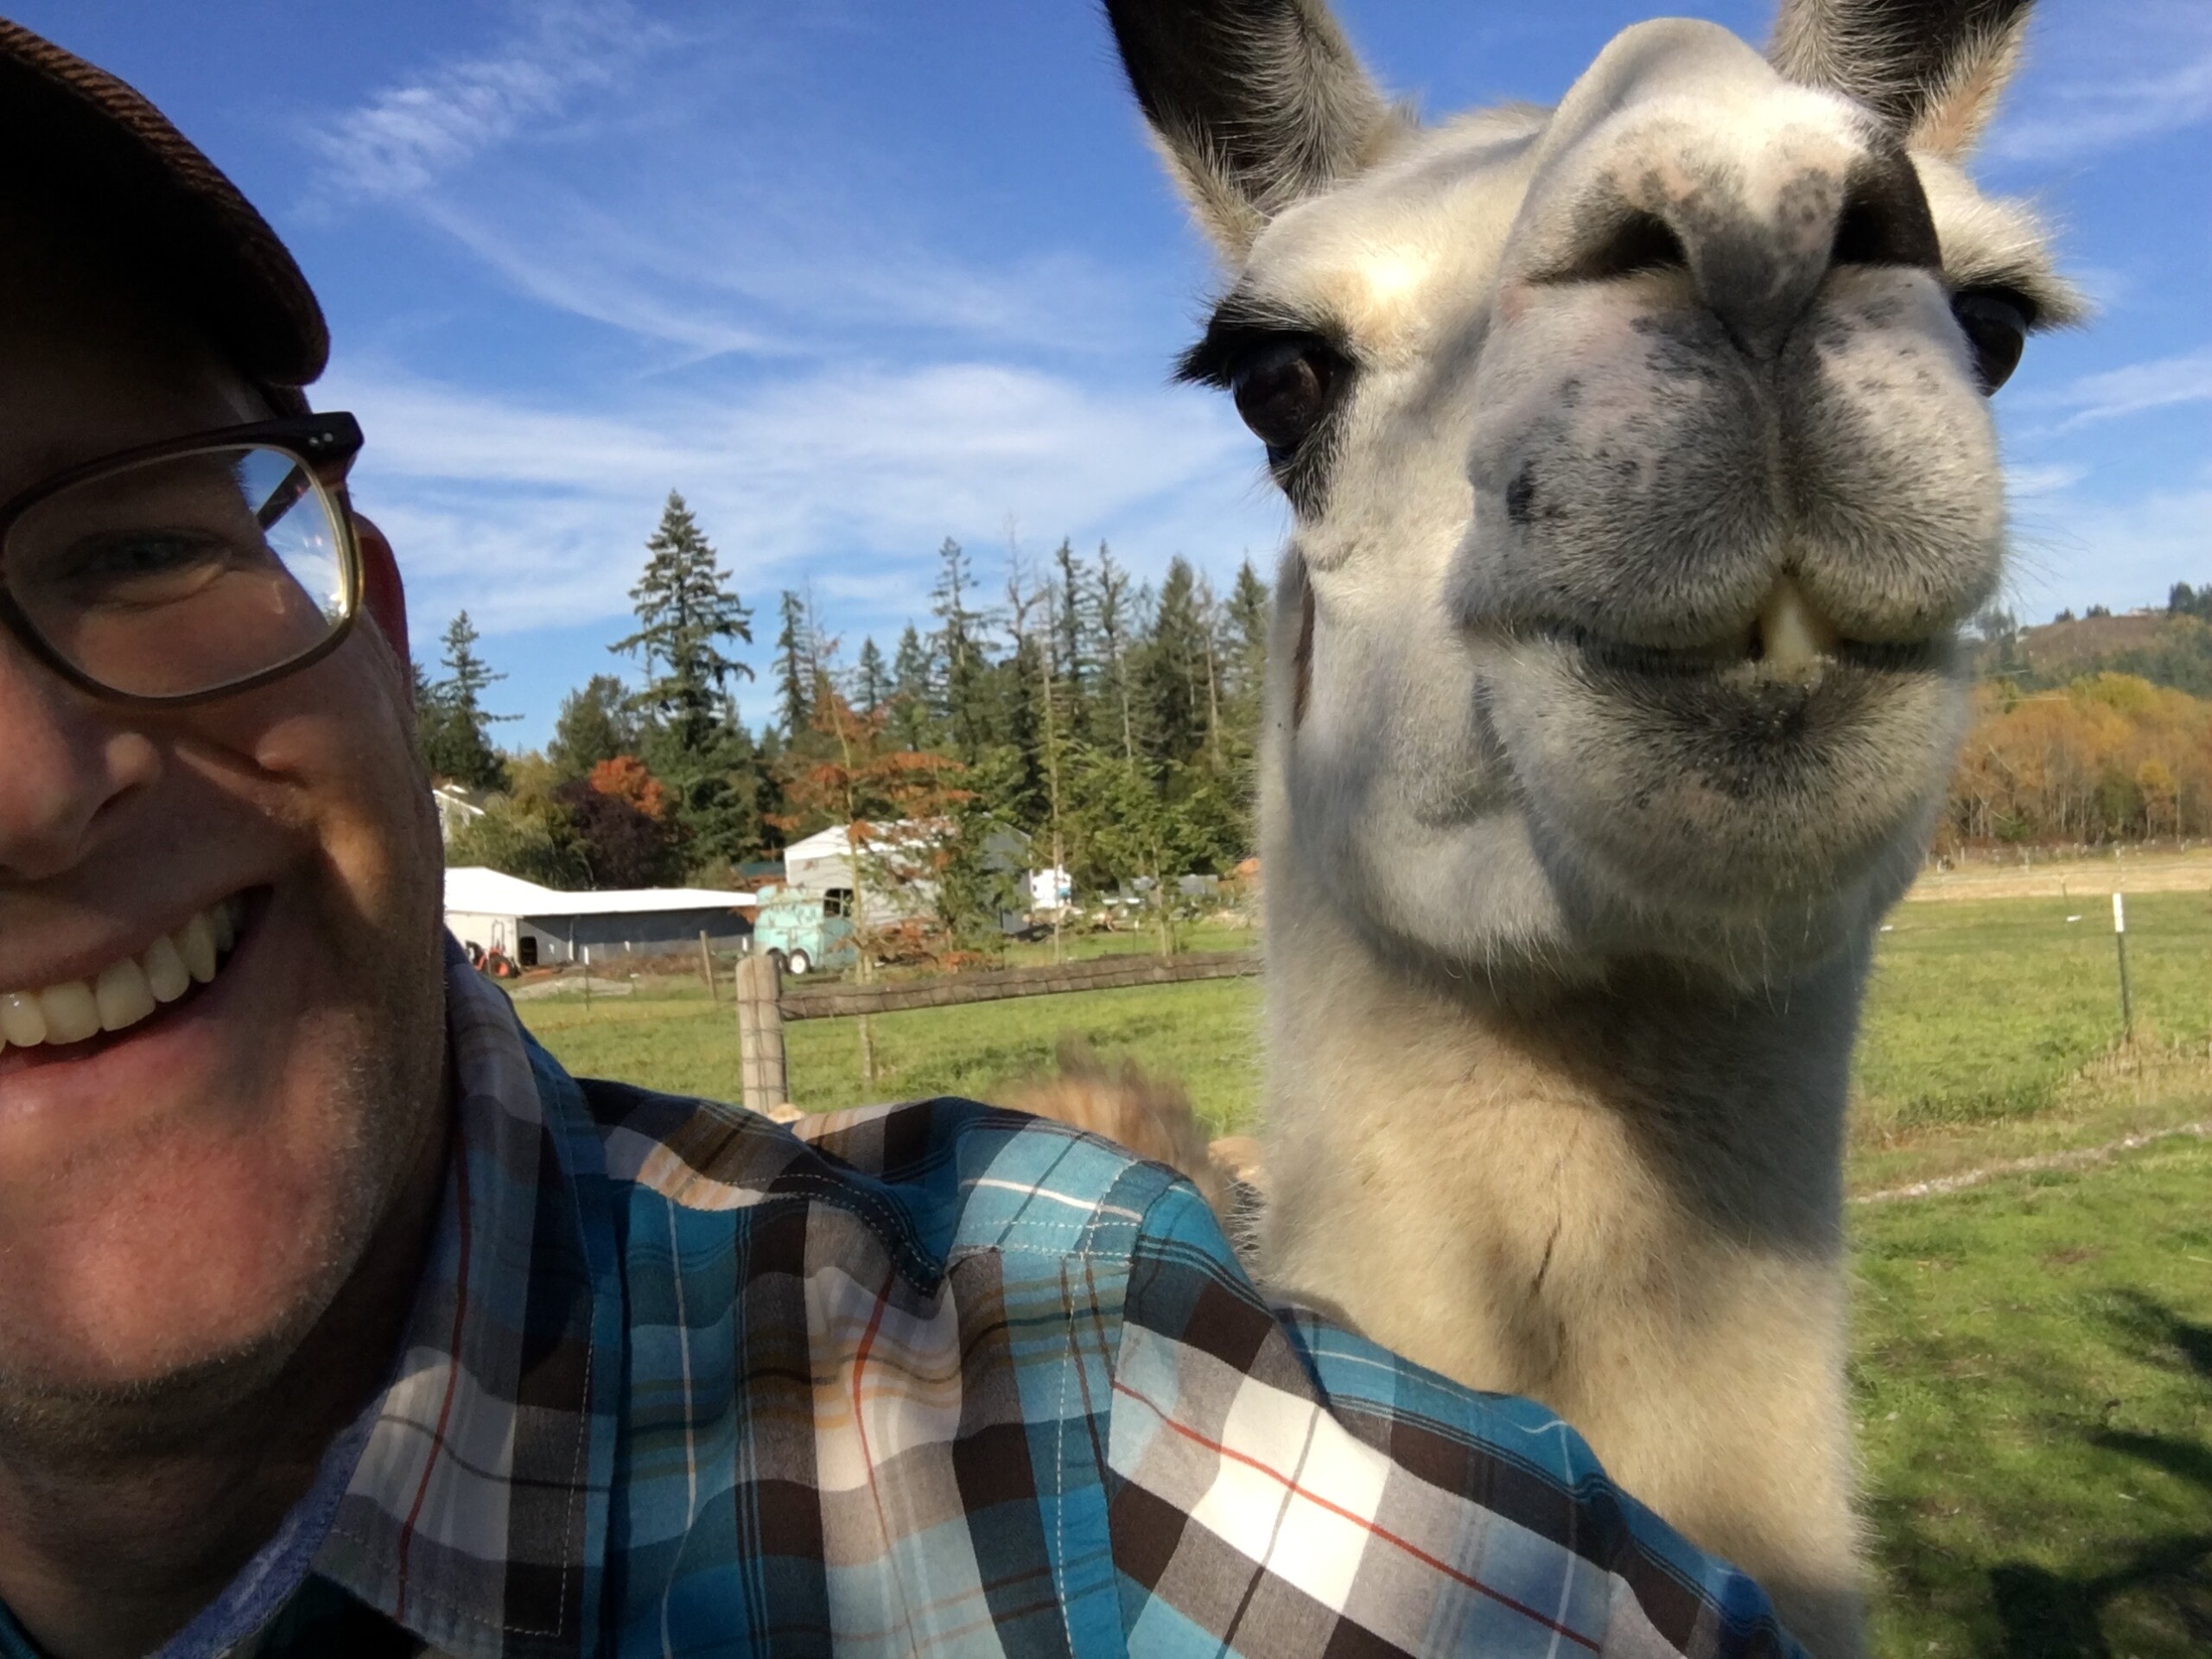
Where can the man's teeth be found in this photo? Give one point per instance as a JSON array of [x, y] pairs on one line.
[[123, 992]]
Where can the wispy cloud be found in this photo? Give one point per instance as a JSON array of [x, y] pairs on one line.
[[408, 137], [670, 185], [2022, 482], [2131, 389], [2130, 71], [2079, 551], [535, 517]]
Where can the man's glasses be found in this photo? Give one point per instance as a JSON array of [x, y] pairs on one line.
[[190, 569]]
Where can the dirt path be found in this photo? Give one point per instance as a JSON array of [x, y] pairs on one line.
[[2080, 1158]]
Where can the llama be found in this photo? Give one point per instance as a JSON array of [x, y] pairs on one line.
[[1642, 472]]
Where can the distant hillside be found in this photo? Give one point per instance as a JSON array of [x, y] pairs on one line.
[[2164, 647]]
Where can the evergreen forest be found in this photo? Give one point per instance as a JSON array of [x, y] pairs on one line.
[[1108, 718]]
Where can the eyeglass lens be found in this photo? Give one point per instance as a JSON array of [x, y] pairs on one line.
[[183, 574]]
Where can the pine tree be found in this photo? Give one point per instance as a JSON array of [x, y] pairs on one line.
[[795, 667], [909, 691], [454, 740], [596, 723], [871, 679], [1072, 604], [1249, 609], [959, 652], [1172, 676], [685, 605], [1244, 651], [1113, 620]]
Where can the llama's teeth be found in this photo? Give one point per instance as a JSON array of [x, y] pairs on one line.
[[1793, 637]]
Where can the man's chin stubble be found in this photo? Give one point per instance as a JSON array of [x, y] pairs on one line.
[[206, 1398]]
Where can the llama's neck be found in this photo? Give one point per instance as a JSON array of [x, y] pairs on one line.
[[1624, 1200], [1728, 1105]]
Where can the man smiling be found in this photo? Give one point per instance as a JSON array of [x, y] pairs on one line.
[[336, 1320]]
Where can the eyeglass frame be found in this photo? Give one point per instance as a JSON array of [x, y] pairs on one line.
[[325, 444]]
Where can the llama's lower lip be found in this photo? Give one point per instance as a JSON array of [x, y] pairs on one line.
[[1733, 664]]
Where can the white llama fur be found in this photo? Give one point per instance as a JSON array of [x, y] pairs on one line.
[[1570, 890]]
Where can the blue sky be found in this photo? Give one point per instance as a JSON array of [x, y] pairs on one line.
[[856, 276]]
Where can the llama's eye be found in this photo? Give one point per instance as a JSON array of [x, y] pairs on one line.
[[1996, 322], [1283, 388]]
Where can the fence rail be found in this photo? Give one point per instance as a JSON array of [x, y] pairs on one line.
[[996, 985], [765, 1001]]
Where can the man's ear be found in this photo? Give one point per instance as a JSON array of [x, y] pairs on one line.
[[382, 591]]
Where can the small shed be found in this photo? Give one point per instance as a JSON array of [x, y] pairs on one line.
[[539, 926]]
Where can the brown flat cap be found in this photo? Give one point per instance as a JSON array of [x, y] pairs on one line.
[[100, 155]]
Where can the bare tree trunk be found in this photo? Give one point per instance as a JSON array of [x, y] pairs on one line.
[[861, 965], [1053, 783], [1019, 600]]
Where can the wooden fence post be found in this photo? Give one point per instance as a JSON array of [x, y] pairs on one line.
[[2120, 941], [707, 966], [760, 1032]]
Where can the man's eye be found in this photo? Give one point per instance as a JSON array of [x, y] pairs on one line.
[[1283, 388], [1996, 322], [145, 566]]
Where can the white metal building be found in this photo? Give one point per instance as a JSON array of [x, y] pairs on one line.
[[537, 926], [822, 865]]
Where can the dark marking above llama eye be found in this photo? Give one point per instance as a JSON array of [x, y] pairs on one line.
[[1996, 322]]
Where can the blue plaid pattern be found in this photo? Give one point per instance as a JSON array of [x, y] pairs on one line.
[[935, 1379]]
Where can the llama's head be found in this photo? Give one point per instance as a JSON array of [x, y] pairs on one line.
[[1641, 461]]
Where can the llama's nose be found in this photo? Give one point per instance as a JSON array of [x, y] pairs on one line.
[[1757, 263]]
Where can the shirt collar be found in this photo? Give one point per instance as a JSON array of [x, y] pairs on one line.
[[476, 1516]]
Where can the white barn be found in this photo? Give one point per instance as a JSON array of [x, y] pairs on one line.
[[539, 926]]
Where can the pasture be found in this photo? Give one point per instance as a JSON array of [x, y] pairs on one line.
[[2033, 1362]]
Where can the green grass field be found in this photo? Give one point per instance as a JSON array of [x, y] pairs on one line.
[[2034, 1356], [2033, 1375]]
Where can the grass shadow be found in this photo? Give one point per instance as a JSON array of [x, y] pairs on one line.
[[2161, 1584]]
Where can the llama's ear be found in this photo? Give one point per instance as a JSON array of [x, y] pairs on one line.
[[1256, 104], [1933, 69]]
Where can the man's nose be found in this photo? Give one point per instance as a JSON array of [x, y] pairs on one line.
[[1757, 250], [63, 765]]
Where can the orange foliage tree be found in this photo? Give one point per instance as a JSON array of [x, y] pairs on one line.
[[626, 778], [898, 805], [2109, 758]]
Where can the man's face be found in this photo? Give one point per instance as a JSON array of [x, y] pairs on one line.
[[192, 1191]]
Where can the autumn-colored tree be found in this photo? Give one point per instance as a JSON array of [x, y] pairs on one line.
[[896, 804], [628, 778], [2110, 758]]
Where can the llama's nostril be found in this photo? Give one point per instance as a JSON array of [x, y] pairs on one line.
[[1885, 218], [1639, 242]]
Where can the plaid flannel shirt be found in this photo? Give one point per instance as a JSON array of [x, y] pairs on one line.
[[936, 1379]]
